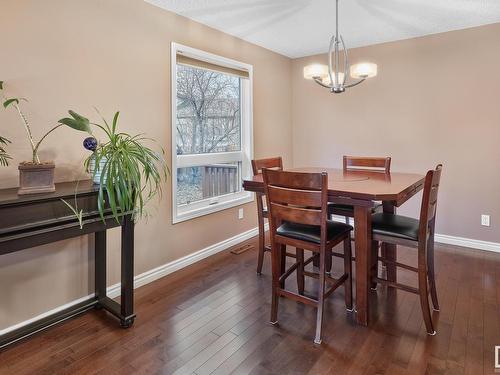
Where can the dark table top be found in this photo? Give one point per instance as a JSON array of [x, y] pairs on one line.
[[363, 185], [63, 189]]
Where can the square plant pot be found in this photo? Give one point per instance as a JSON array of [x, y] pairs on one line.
[[36, 178]]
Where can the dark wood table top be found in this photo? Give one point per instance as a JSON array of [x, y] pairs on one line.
[[361, 185], [63, 190]]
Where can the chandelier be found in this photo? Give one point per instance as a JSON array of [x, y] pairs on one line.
[[334, 75]]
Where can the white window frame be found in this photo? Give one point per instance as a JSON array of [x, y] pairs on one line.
[[215, 204]]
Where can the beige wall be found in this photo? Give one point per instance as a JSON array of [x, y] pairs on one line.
[[114, 54], [436, 99]]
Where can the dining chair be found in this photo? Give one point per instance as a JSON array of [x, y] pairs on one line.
[[359, 163], [298, 217], [406, 231], [262, 213]]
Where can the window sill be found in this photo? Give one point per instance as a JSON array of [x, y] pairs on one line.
[[244, 198]]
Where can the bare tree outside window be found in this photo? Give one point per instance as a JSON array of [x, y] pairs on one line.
[[208, 121], [208, 111]]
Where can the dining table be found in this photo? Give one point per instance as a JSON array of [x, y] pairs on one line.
[[362, 189]]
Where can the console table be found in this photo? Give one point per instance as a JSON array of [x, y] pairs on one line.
[[33, 220]]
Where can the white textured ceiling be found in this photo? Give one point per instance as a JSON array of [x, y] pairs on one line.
[[297, 28]]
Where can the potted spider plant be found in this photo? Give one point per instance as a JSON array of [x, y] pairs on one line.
[[37, 176], [4, 156], [129, 173]]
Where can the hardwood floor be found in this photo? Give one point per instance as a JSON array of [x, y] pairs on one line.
[[212, 318]]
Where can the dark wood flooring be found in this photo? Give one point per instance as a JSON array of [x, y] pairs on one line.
[[212, 318]]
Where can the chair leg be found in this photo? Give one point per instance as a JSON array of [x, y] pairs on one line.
[[328, 261], [276, 271], [430, 271], [424, 293], [348, 271], [321, 297], [374, 267], [315, 260], [300, 271], [282, 264], [389, 252], [262, 245], [383, 254]]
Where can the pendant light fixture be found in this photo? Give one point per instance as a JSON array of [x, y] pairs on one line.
[[334, 75]]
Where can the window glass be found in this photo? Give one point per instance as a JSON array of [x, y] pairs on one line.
[[208, 111]]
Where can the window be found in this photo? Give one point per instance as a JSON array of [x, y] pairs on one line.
[[211, 132]]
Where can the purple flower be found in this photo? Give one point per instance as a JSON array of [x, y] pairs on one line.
[[90, 143]]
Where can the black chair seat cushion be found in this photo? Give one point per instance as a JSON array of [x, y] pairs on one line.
[[347, 208], [311, 233], [395, 226]]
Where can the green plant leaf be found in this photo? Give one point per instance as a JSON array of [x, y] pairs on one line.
[[115, 121], [131, 175], [4, 157], [10, 101], [74, 210], [78, 117], [4, 141], [1, 85], [77, 122]]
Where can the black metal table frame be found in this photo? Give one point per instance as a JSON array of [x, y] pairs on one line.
[[92, 224]]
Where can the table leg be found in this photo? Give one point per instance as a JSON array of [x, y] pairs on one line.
[[100, 266], [363, 234], [127, 277], [389, 250]]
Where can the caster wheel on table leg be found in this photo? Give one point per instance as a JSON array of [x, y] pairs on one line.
[[98, 306], [127, 323]]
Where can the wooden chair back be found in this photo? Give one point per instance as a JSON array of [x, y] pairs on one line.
[[257, 166], [429, 199], [271, 163], [297, 197], [367, 163]]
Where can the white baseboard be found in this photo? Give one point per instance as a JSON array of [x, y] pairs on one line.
[[166, 269], [468, 242], [450, 240], [45, 314], [147, 277]]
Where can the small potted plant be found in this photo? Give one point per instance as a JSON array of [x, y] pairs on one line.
[[129, 173], [36, 176], [4, 156]]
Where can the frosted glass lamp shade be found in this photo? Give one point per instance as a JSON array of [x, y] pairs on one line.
[[327, 81], [363, 70], [315, 71]]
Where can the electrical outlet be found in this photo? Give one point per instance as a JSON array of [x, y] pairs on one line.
[[240, 213], [485, 220]]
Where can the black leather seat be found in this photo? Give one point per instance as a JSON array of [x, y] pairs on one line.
[[347, 209], [395, 226], [311, 233]]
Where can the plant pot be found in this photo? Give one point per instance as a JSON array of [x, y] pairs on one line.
[[36, 178], [96, 176]]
